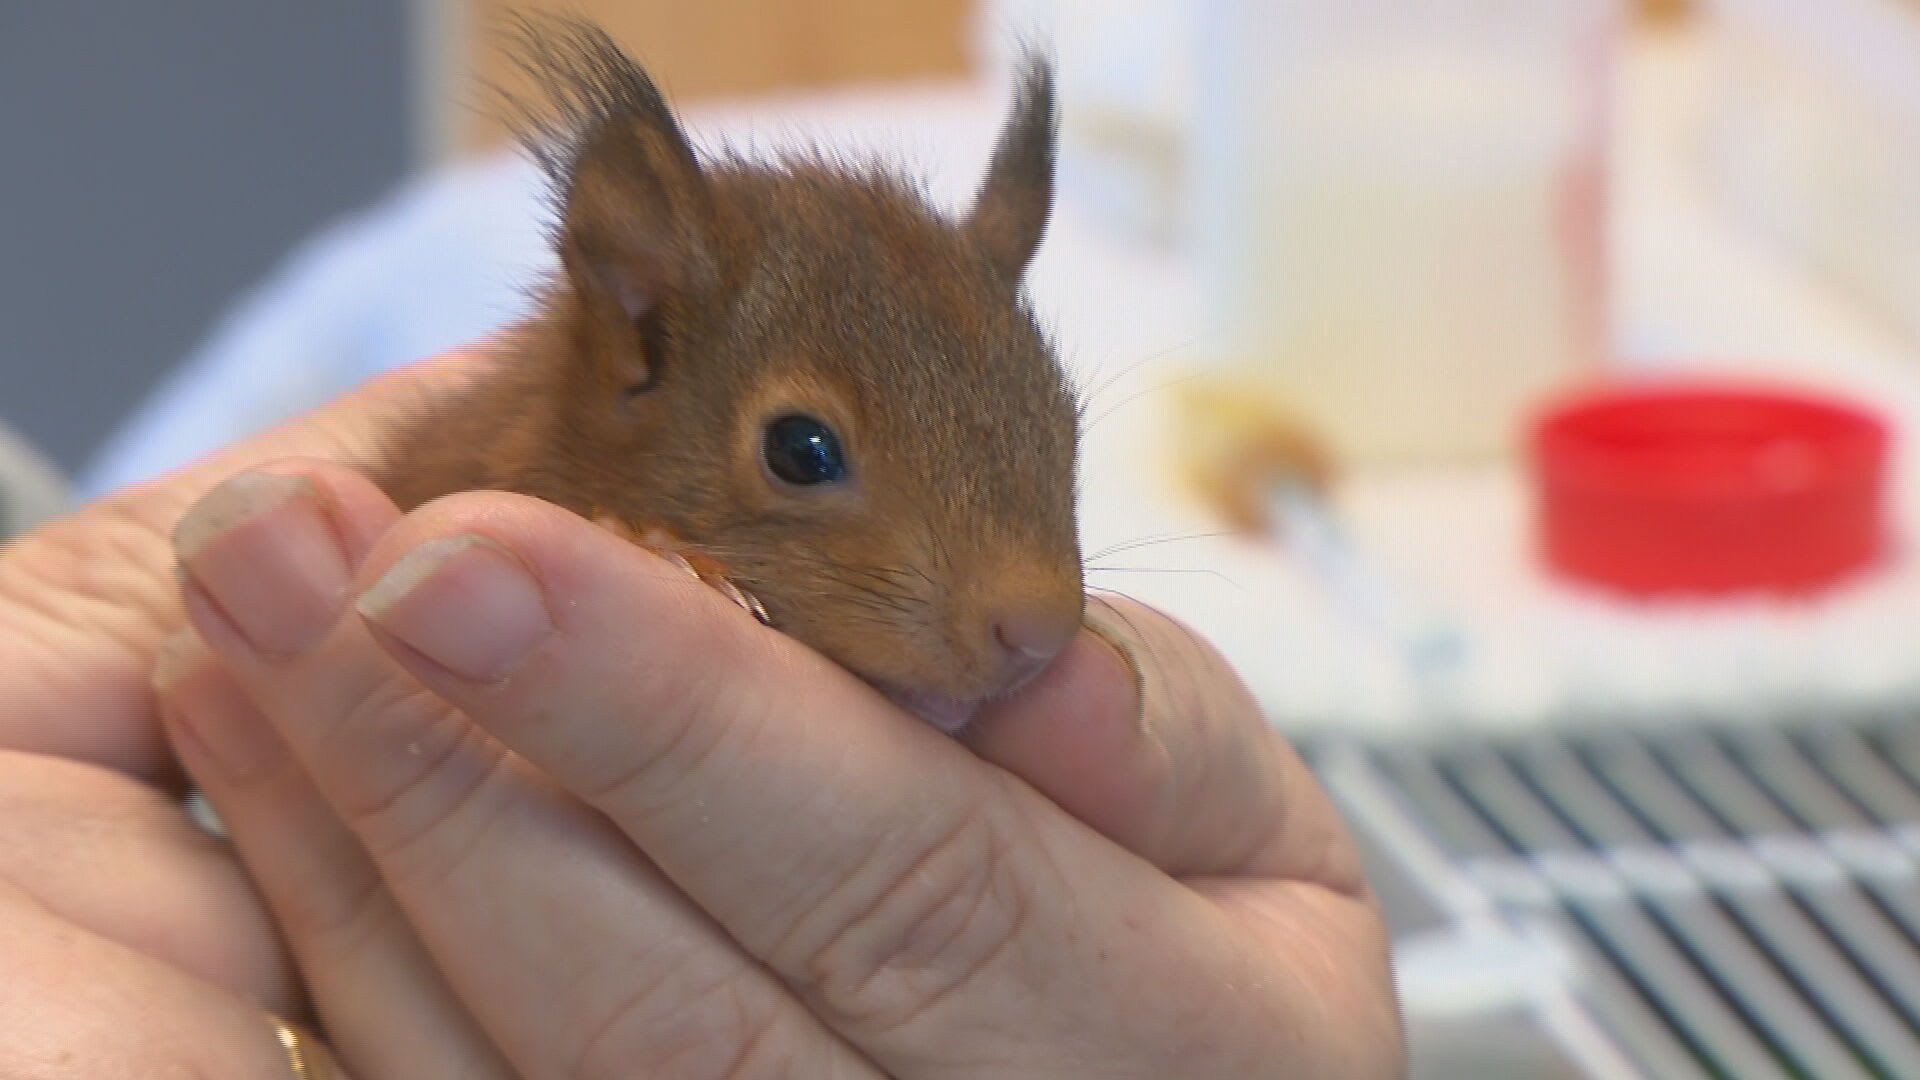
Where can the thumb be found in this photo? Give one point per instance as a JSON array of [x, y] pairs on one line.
[[1143, 731]]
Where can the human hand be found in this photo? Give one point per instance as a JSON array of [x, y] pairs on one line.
[[86, 601], [131, 942], [543, 795]]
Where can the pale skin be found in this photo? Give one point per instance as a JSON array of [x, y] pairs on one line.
[[512, 797]]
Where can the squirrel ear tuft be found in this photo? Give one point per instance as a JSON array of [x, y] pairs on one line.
[[1010, 213], [636, 220]]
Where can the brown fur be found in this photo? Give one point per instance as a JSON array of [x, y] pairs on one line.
[[699, 302]]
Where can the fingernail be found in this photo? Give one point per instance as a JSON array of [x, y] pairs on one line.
[[221, 725], [261, 548], [463, 602], [1104, 625]]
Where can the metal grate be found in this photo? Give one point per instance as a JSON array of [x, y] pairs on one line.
[[1745, 900]]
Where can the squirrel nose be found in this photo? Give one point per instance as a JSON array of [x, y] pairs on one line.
[[1029, 640]]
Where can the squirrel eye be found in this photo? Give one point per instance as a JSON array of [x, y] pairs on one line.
[[804, 451]]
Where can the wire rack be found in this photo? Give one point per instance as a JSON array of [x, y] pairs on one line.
[[1742, 900]]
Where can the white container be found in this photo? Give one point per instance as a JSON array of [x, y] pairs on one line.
[[1399, 207], [1815, 139]]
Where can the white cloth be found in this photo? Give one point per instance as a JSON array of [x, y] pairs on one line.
[[439, 264]]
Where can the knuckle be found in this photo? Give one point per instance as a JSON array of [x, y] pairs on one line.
[[79, 569], [336, 916], [915, 935], [689, 727], [719, 1031], [401, 796]]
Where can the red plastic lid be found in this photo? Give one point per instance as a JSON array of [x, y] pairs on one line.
[[1708, 487]]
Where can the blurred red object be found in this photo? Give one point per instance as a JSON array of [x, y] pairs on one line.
[[1707, 487]]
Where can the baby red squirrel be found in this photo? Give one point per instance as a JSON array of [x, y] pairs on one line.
[[801, 379]]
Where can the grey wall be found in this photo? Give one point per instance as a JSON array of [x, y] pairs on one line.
[[156, 156]]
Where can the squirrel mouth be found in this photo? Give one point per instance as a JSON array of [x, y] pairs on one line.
[[948, 715]]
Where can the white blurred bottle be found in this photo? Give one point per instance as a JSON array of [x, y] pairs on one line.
[[1399, 209]]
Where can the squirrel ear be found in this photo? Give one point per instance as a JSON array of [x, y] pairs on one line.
[[637, 223], [1016, 198]]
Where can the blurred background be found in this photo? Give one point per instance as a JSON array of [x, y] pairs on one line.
[[163, 157], [1519, 392], [166, 157]]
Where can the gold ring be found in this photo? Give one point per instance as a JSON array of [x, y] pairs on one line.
[[306, 1057]]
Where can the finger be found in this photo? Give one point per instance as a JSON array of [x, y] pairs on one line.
[[564, 941], [908, 890], [112, 570], [385, 1006], [78, 1004], [83, 840], [1142, 730]]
